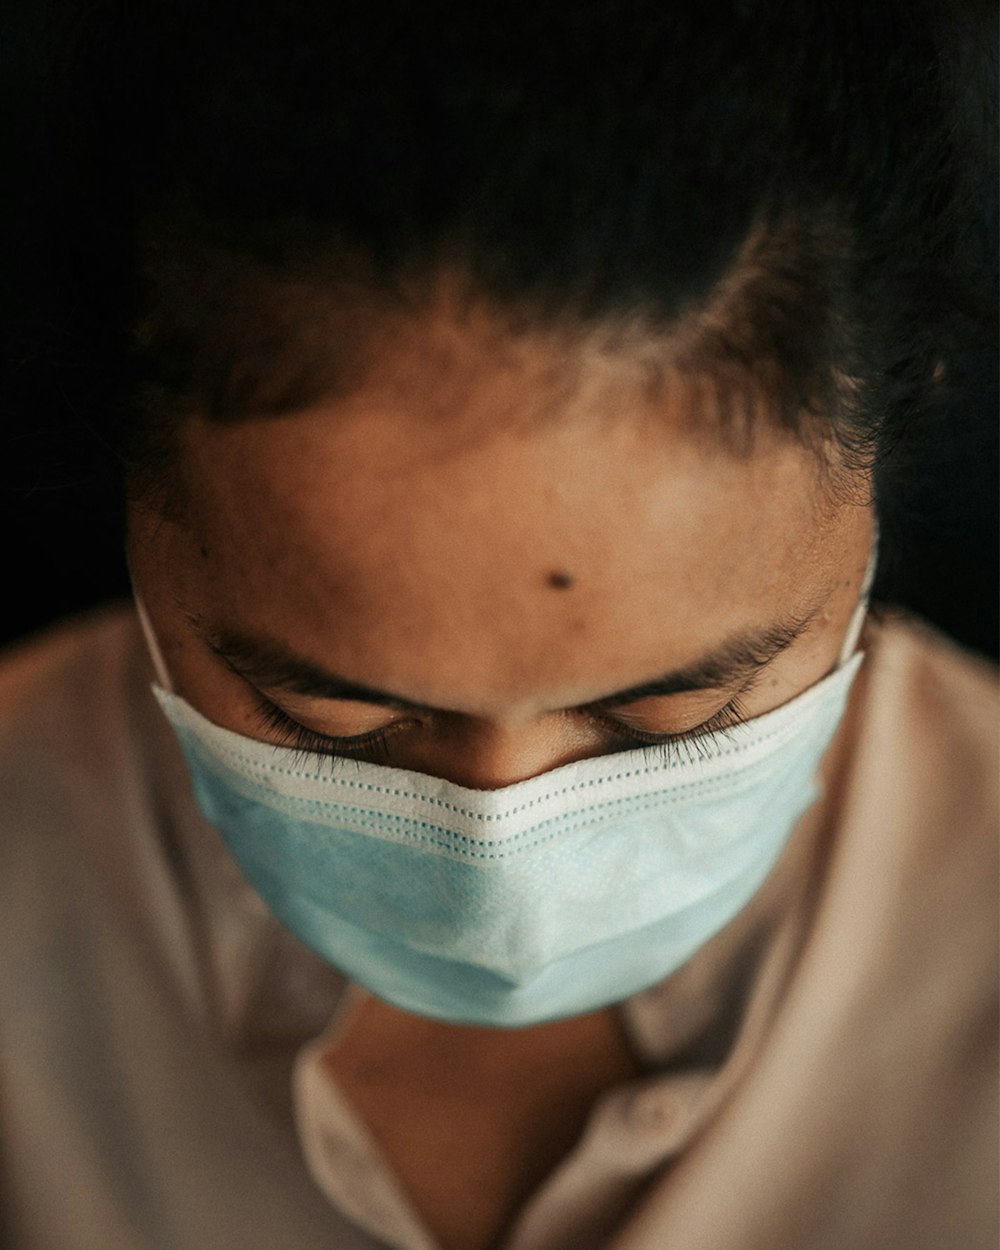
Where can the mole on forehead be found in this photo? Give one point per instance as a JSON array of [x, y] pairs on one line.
[[560, 579]]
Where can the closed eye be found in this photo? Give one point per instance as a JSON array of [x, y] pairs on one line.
[[675, 747], [671, 747], [291, 734]]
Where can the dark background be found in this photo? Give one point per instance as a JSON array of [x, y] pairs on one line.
[[59, 501]]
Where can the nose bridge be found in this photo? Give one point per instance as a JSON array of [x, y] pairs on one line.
[[487, 755]]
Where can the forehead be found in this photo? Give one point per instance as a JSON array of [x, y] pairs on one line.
[[485, 531]]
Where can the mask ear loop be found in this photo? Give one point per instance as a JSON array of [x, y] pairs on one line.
[[857, 621], [155, 654]]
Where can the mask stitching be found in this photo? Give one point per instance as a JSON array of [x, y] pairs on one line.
[[453, 841], [257, 770], [510, 851]]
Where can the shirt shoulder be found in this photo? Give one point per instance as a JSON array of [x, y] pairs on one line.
[[928, 742], [918, 653], [82, 772], [64, 683], [912, 891]]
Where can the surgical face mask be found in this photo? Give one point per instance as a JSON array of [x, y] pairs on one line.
[[541, 900]]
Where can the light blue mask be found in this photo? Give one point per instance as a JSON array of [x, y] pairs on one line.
[[540, 900]]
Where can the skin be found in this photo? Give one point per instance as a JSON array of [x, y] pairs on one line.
[[504, 537], [417, 537]]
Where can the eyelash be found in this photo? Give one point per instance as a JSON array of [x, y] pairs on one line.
[[311, 742], [681, 747], [672, 748]]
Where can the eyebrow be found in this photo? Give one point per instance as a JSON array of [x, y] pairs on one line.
[[270, 665], [733, 663]]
